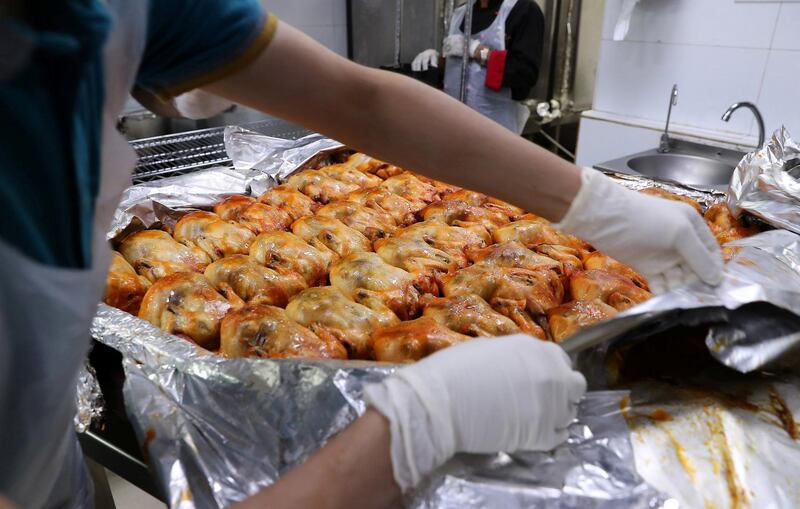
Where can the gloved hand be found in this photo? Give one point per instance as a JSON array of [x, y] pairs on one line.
[[482, 396], [453, 46], [428, 58], [667, 241]]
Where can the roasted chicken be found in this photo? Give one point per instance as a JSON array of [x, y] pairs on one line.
[[411, 341], [460, 213], [367, 164], [253, 282], [372, 222], [331, 234], [514, 255], [661, 193], [256, 217], [232, 207], [320, 187], [210, 233], [331, 315], [599, 261], [418, 257], [285, 252], [365, 277], [450, 239], [382, 200], [185, 304], [532, 232], [124, 287], [481, 200], [727, 228], [617, 291], [469, 315], [292, 201], [258, 330], [154, 254], [570, 258], [347, 173], [567, 319], [417, 192]]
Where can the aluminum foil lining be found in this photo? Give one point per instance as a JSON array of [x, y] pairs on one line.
[[766, 183], [705, 197], [89, 403]]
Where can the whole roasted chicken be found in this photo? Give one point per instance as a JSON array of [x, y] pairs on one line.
[[210, 233], [617, 291], [332, 316], [460, 213], [469, 315], [382, 200], [256, 217], [450, 239], [185, 304], [320, 187], [371, 222], [347, 173], [232, 207], [418, 257], [258, 330], [532, 232], [365, 277], [569, 318], [600, 261], [514, 255], [253, 282], [417, 192], [155, 254], [481, 200], [367, 164], [124, 287], [412, 340], [331, 234], [292, 201], [286, 252]]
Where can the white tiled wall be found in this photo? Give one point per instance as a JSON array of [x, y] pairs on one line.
[[324, 20], [718, 51]]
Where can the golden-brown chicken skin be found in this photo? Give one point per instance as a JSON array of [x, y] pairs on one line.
[[450, 239], [347, 173], [284, 251], [460, 213], [365, 276], [661, 193], [533, 232], [727, 228], [259, 330], [469, 315], [319, 187], [155, 254], [417, 192], [412, 340], [571, 259], [617, 291], [124, 287], [332, 234], [232, 207], [567, 319], [418, 257], [260, 218], [331, 315], [373, 223], [210, 233], [382, 200], [442, 188], [185, 304], [367, 164], [253, 282], [295, 203], [514, 255], [600, 261], [481, 200]]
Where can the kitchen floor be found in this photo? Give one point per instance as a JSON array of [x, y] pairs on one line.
[[128, 496]]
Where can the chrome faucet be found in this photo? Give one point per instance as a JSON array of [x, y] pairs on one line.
[[752, 107], [665, 144]]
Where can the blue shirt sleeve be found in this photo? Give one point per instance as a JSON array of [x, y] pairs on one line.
[[191, 43]]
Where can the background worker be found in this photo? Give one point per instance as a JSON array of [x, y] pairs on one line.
[[505, 50], [64, 168]]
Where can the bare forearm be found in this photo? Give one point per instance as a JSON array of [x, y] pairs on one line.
[[353, 470], [402, 121]]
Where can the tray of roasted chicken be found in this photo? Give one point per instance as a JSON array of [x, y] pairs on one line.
[[360, 259]]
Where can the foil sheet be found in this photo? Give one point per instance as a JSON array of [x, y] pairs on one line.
[[765, 183], [89, 403]]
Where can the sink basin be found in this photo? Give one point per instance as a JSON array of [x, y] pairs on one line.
[[688, 169], [686, 162]]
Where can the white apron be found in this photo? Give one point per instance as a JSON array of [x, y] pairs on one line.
[[496, 105], [45, 312]]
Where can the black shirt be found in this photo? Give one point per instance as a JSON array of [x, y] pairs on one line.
[[524, 38]]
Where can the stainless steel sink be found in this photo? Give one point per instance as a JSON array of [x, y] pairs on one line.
[[686, 162]]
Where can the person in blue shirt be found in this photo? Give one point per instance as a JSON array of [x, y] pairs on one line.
[[65, 72]]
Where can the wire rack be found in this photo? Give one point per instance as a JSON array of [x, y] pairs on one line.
[[176, 154]]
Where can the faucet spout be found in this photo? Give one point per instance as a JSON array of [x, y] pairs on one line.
[[759, 119], [665, 145]]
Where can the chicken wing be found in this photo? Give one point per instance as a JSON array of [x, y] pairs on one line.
[[331, 315], [295, 203], [347, 173], [373, 223], [210, 233], [417, 192], [319, 186], [573, 316], [599, 261], [481, 200], [382, 200], [258, 330], [365, 276], [450, 239], [411, 341], [328, 233], [253, 282], [283, 251], [617, 291], [232, 207], [185, 304], [661, 193], [154, 254], [514, 255], [124, 287], [468, 314], [533, 232]]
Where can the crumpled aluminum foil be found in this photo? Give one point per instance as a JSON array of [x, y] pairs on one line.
[[705, 197], [766, 183], [89, 403]]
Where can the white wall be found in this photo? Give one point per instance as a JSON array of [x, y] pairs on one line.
[[324, 20]]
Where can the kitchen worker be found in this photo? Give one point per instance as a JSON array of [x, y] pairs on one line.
[[505, 52], [65, 72]]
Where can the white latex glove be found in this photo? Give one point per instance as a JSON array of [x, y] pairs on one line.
[[473, 45], [199, 104], [667, 241], [453, 46], [428, 58], [481, 396]]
